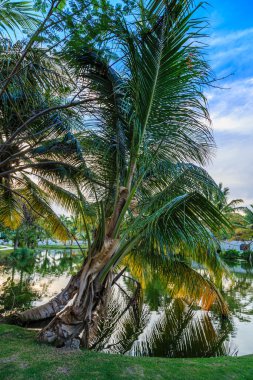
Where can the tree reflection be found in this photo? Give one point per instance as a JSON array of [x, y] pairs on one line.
[[58, 262], [180, 331], [239, 293], [17, 295], [25, 268], [149, 313], [176, 330]]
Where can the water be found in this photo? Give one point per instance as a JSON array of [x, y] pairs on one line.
[[144, 320]]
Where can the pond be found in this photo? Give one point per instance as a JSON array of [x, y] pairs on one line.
[[155, 324]]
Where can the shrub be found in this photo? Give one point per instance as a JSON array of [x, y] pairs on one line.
[[231, 254]]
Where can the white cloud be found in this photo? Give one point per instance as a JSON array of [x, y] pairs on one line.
[[232, 120], [233, 166], [232, 109], [228, 38], [231, 50]]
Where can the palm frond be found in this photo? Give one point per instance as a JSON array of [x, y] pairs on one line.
[[177, 279], [17, 15]]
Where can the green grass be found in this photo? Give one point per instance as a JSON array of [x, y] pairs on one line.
[[21, 357], [5, 252], [9, 249], [60, 246]]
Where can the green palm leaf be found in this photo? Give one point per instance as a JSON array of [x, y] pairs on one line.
[[17, 15]]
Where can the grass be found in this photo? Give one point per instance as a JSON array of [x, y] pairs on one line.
[[9, 249], [21, 357], [5, 252], [60, 246]]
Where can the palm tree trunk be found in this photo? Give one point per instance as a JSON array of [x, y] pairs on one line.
[[77, 318], [55, 305], [85, 290]]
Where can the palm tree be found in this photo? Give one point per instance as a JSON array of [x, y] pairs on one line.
[[220, 198], [229, 208], [36, 154], [249, 216], [145, 128], [17, 15], [245, 226]]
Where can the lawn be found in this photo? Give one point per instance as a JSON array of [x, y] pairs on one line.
[[8, 249], [61, 246], [5, 251], [21, 357]]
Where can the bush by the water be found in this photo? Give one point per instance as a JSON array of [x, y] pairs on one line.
[[22, 258], [233, 254]]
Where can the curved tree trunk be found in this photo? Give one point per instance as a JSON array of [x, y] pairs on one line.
[[54, 306], [74, 309], [77, 318]]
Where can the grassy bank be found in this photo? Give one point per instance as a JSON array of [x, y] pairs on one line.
[[6, 251], [61, 246], [21, 357]]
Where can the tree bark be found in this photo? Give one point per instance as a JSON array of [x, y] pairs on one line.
[[16, 243], [75, 308], [75, 320], [55, 305]]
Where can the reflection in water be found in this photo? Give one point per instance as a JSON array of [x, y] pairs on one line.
[[174, 330], [28, 279], [240, 295], [17, 295], [141, 321]]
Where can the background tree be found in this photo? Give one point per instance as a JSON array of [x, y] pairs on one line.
[[36, 155], [244, 229], [35, 105], [231, 209]]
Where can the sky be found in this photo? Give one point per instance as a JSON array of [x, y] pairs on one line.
[[230, 53]]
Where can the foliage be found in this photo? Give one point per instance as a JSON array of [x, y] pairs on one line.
[[233, 254], [229, 208], [49, 153], [244, 229], [17, 15], [22, 259], [28, 234], [16, 296]]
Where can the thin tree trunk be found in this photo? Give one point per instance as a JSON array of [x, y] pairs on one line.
[[16, 242]]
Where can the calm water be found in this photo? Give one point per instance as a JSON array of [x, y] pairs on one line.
[[154, 325]]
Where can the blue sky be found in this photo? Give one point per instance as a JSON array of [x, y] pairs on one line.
[[231, 52]]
